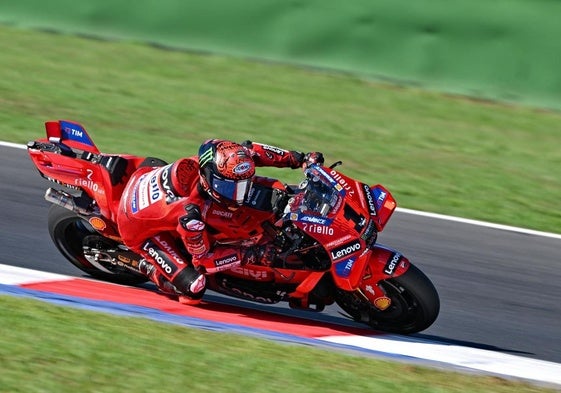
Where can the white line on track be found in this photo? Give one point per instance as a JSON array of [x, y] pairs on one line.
[[459, 356], [480, 223], [420, 213], [14, 145]]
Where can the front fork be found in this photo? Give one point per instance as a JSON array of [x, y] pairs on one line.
[[384, 263]]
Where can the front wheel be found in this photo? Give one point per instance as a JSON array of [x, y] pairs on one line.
[[70, 233], [414, 304]]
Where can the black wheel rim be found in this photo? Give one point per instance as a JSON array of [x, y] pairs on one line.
[[70, 236], [401, 316]]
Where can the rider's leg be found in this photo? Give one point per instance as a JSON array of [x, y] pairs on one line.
[[170, 267]]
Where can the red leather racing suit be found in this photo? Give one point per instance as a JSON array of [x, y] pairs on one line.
[[163, 204]]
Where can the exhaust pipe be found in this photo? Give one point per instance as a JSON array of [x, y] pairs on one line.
[[65, 200]]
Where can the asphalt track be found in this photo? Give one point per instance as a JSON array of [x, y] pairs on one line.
[[499, 289]]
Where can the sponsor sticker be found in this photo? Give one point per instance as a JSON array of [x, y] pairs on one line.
[[143, 201], [97, 223], [392, 263], [242, 168], [319, 229], [260, 275], [343, 268], [170, 250], [382, 303], [159, 257], [134, 200], [75, 132], [274, 149], [380, 197], [222, 213], [88, 182], [226, 260], [155, 192], [342, 182], [345, 250], [325, 175], [336, 242], [315, 219], [368, 195], [124, 259], [166, 183]]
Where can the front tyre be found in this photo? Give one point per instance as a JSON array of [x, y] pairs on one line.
[[414, 304], [70, 233]]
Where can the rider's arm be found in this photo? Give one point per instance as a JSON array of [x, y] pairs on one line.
[[192, 231], [267, 155]]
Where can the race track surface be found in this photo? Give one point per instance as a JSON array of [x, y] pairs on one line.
[[499, 290]]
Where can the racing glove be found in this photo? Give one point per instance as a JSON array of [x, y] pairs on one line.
[[191, 229]]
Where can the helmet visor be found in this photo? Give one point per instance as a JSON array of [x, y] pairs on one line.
[[233, 190]]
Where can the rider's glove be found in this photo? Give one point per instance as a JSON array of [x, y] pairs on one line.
[[314, 157]]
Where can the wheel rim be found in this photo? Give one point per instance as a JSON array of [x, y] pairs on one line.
[[403, 309], [75, 233], [70, 236], [400, 316]]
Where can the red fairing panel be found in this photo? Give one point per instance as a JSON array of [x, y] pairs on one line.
[[385, 263]]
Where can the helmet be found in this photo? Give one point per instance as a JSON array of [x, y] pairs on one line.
[[226, 171]]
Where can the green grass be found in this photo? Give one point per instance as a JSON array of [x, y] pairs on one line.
[[436, 153], [46, 348]]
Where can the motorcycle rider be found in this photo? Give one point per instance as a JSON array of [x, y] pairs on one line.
[[204, 199]]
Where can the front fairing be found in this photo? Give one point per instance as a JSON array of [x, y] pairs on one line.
[[332, 209]]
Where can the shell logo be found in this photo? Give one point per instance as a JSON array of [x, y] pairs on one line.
[[97, 223], [382, 303]]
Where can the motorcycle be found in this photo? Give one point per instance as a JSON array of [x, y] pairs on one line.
[[324, 230]]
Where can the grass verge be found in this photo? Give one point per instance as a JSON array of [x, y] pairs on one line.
[[47, 348], [436, 153]]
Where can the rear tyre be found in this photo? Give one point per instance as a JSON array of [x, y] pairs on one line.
[[414, 304], [71, 232]]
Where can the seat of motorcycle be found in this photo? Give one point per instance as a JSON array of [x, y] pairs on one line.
[[116, 166]]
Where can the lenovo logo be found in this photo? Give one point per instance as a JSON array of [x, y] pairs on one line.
[[345, 250]]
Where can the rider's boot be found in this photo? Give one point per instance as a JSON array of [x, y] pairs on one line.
[[173, 274], [195, 284], [191, 285]]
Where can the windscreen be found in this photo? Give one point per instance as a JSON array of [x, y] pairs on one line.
[[319, 196]]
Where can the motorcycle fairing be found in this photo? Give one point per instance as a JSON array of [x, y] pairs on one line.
[[383, 264], [385, 205], [68, 156], [345, 216]]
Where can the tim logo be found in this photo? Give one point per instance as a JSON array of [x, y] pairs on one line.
[[77, 133]]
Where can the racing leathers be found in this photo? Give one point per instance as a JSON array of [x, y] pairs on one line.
[[164, 211]]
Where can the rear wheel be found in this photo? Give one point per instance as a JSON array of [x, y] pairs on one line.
[[414, 304], [71, 233]]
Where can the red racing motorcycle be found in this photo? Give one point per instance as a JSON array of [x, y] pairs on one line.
[[323, 231]]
